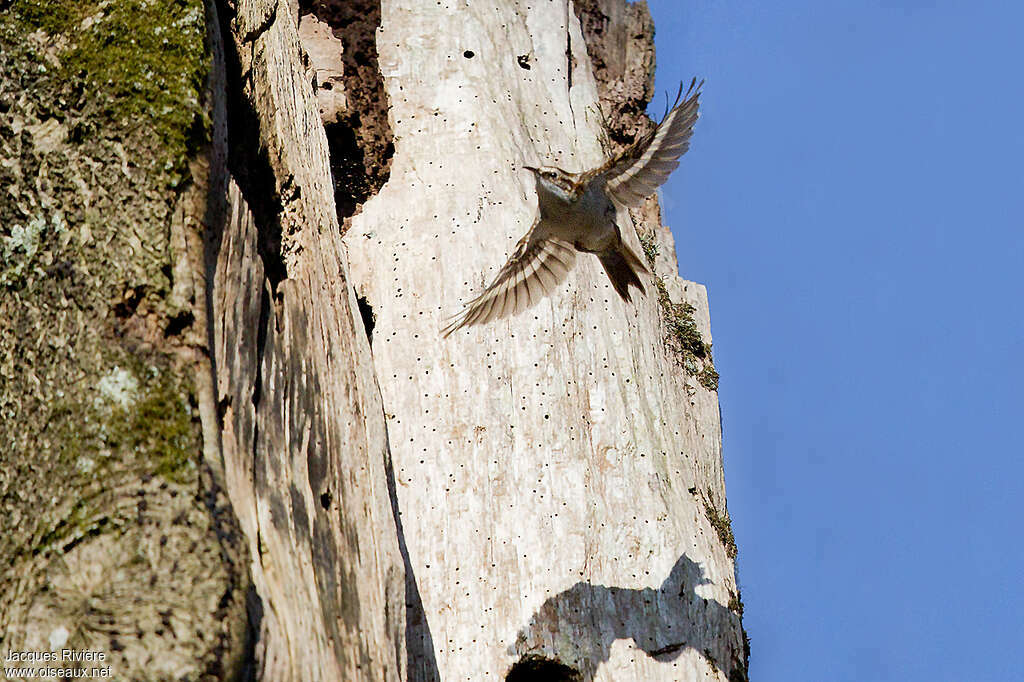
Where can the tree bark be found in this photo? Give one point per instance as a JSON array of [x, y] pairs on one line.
[[116, 535]]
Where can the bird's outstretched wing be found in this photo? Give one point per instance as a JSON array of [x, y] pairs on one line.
[[641, 169], [535, 269]]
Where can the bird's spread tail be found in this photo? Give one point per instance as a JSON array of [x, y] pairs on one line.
[[623, 266]]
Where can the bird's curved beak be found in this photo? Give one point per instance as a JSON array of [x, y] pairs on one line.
[[530, 168]]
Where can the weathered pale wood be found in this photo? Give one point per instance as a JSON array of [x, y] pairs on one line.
[[304, 437], [558, 474]]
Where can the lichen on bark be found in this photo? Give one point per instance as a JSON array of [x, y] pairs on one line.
[[113, 536]]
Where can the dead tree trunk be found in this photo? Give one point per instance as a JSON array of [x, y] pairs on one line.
[[208, 473], [303, 429], [559, 474], [176, 331]]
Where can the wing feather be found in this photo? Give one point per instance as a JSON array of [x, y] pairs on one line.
[[506, 302], [641, 169], [534, 271], [546, 278]]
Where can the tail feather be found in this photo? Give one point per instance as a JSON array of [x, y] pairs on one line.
[[623, 266]]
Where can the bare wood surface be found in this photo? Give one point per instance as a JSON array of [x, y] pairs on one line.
[[304, 434], [559, 475]]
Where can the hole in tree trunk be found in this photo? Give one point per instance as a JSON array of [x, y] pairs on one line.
[[539, 669], [348, 168], [251, 168], [361, 141], [369, 319]]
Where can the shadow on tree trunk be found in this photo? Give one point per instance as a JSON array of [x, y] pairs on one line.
[[419, 644], [662, 622]]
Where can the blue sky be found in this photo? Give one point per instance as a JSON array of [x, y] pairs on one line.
[[854, 202]]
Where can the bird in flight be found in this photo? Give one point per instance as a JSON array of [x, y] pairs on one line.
[[577, 214]]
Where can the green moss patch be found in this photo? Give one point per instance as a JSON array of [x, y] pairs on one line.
[[145, 425], [736, 603], [150, 422], [682, 336], [133, 424], [141, 62], [161, 426], [721, 523]]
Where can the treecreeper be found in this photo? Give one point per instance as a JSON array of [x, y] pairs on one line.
[[577, 212]]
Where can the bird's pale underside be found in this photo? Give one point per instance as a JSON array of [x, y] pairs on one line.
[[577, 213]]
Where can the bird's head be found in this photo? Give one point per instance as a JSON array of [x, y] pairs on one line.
[[562, 184]]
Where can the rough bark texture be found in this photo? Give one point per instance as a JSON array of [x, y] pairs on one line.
[[115, 535], [558, 474], [149, 280]]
